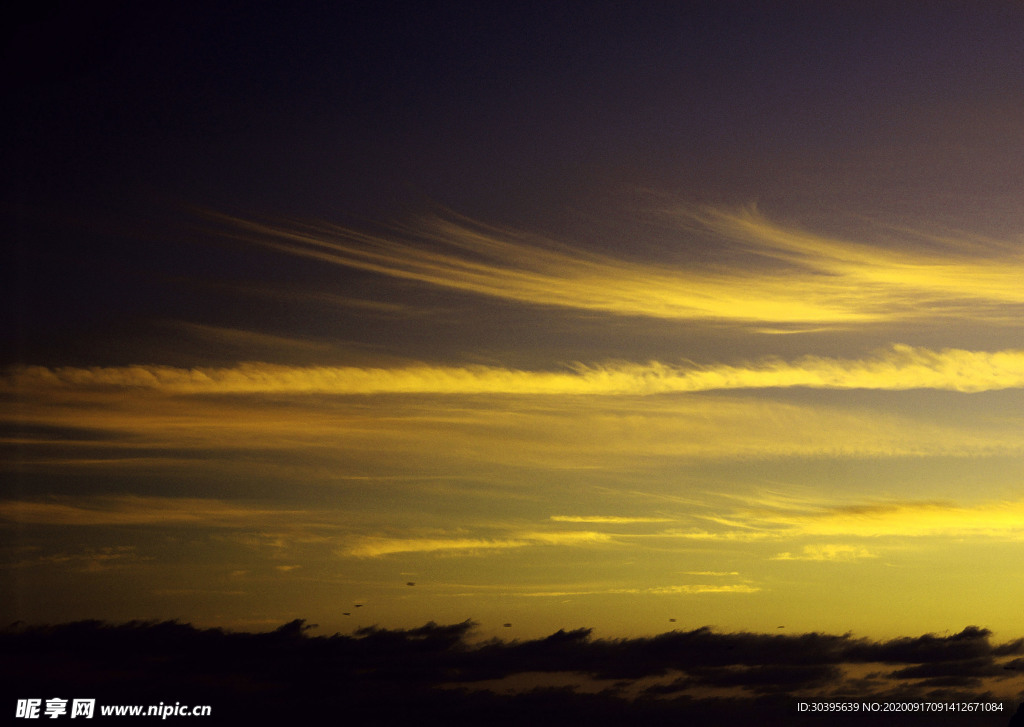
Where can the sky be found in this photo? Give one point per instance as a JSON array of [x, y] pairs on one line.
[[603, 316]]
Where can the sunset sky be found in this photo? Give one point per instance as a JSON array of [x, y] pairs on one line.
[[558, 315]]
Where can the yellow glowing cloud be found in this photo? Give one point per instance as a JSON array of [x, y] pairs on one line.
[[609, 519], [822, 280], [375, 547], [964, 269], [372, 547], [993, 519], [83, 426], [901, 367], [828, 553], [998, 519], [705, 588], [654, 590]]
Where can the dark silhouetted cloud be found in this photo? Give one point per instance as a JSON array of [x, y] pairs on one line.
[[421, 675]]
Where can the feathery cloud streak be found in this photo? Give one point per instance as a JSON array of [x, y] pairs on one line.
[[654, 590], [828, 552], [902, 367], [607, 519], [396, 434], [817, 279], [993, 519], [983, 270], [372, 547], [139, 510]]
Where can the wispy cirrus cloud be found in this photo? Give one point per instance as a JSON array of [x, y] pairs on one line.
[[818, 280], [608, 519], [950, 271], [373, 546], [86, 560], [899, 368], [999, 519], [90, 425], [239, 339], [653, 590], [138, 510], [829, 552]]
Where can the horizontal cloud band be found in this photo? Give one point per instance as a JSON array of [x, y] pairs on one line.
[[901, 367]]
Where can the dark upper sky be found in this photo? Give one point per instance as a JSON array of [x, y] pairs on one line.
[[341, 107], [338, 109]]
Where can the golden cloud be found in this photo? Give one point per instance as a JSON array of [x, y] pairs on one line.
[[655, 590], [372, 547], [841, 553], [899, 368], [1003, 519], [818, 280], [1000, 519], [82, 427], [949, 271], [608, 519]]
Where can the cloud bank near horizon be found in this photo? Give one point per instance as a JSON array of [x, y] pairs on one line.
[[700, 675]]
